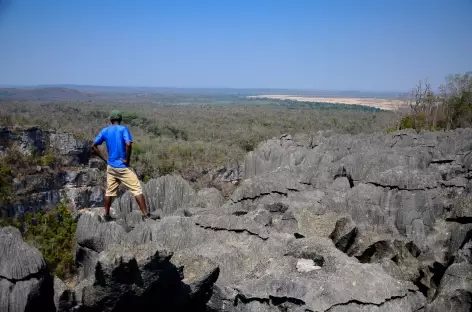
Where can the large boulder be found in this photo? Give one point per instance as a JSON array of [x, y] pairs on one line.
[[273, 154], [92, 237], [25, 283], [64, 297], [461, 211], [164, 196], [208, 198], [131, 276], [120, 269], [455, 290]]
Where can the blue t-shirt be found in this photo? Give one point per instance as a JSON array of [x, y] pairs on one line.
[[116, 137]]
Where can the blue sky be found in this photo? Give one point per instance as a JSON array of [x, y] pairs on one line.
[[368, 45]]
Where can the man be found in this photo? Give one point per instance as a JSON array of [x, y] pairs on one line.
[[119, 144]]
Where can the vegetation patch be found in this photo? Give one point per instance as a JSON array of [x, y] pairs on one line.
[[5, 184], [449, 108], [53, 233]]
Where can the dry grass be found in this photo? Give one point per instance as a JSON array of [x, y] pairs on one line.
[[190, 137]]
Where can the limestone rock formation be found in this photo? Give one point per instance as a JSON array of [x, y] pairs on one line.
[[358, 223], [142, 276], [168, 194], [36, 140], [455, 290], [64, 297], [376, 223], [78, 178], [25, 283]]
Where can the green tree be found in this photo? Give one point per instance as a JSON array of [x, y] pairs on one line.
[[53, 233], [456, 100], [5, 184], [449, 109]]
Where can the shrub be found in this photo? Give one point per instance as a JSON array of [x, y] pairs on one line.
[[146, 179], [53, 233], [6, 119], [407, 122], [5, 184], [166, 166], [137, 150], [47, 159], [127, 118], [154, 130], [248, 145], [451, 108]]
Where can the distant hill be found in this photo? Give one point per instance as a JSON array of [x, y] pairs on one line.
[[52, 93], [89, 89]]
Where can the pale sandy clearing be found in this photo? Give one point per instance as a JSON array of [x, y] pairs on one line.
[[386, 104]]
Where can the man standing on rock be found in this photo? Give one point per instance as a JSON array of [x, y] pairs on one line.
[[119, 142]]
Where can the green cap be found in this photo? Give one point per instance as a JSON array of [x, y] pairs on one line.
[[115, 115]]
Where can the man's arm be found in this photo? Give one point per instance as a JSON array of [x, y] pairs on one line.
[[129, 145], [129, 148], [97, 141], [97, 151]]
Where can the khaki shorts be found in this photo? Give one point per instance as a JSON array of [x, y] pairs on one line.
[[115, 176]]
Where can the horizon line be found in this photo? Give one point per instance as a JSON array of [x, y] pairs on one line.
[[70, 85]]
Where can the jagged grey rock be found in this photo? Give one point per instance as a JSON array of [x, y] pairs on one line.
[[372, 220], [344, 233], [17, 259], [455, 290], [93, 236], [25, 283], [64, 297], [199, 274], [208, 198], [461, 211], [164, 195], [377, 223], [249, 263], [72, 150], [465, 253], [77, 182], [130, 276]]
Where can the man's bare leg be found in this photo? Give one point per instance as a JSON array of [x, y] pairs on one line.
[[142, 204], [107, 207]]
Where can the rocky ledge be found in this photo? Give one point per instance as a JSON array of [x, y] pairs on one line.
[[326, 223], [76, 178]]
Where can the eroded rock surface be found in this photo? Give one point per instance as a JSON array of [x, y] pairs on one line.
[[76, 177], [336, 223], [25, 283], [130, 276], [371, 223]]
